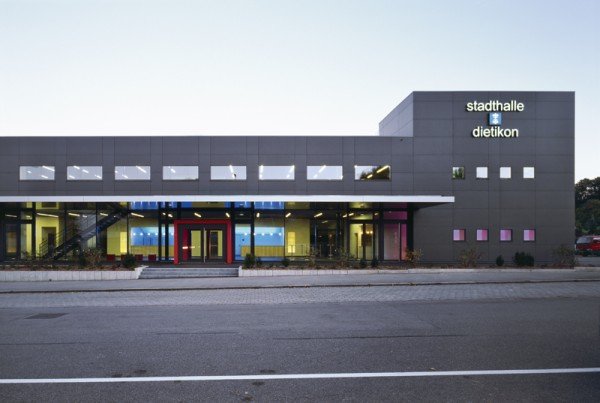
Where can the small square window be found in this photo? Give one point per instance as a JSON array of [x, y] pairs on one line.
[[528, 172], [458, 235], [505, 235], [529, 235], [458, 172], [505, 173], [482, 172], [482, 235]]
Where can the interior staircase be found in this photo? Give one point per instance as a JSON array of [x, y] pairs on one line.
[[80, 232]]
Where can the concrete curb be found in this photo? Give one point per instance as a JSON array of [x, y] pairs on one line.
[[258, 287], [70, 275], [432, 270]]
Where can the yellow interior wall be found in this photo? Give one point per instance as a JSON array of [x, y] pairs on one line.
[[116, 244], [45, 222], [301, 229]]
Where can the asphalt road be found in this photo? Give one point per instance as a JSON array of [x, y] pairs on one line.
[[272, 336]]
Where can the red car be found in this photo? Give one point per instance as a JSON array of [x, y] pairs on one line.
[[588, 243]]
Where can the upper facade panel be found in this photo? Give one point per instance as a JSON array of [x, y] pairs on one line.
[[421, 142]]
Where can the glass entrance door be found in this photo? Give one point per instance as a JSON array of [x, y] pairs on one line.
[[205, 244], [214, 247], [363, 241]]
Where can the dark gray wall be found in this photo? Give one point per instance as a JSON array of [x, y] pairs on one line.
[[442, 139], [203, 152], [422, 139]]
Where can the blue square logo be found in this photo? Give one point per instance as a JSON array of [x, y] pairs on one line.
[[495, 119]]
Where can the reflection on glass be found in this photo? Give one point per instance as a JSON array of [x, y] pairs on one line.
[[268, 205], [325, 238], [276, 172], [372, 172], [26, 244], [228, 172], [324, 172], [180, 173], [242, 240], [11, 240], [269, 237], [458, 172], [84, 173], [132, 173], [362, 241], [36, 173], [297, 237]]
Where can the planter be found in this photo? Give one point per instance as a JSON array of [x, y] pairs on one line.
[[69, 275]]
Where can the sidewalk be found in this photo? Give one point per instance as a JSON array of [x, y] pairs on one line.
[[394, 279]]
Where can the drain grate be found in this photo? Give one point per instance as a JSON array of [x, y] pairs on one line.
[[46, 316]]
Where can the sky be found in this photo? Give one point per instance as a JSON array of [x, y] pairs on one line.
[[297, 67]]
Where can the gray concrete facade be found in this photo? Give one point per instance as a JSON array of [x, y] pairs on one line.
[[421, 139]]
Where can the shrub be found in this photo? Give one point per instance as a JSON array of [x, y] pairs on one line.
[[362, 264], [413, 256], [249, 261], [343, 259], [499, 261], [285, 262], [374, 262], [94, 257], [564, 256], [523, 259], [128, 261], [469, 257], [312, 257], [80, 258]]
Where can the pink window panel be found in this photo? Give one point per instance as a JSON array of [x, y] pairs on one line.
[[505, 235], [395, 215], [482, 235], [458, 235], [529, 235], [403, 240]]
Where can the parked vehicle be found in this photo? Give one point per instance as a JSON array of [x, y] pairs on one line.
[[588, 243]]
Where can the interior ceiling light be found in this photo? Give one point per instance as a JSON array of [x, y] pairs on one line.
[[383, 168]]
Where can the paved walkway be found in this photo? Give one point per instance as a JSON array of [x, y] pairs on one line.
[[395, 279], [460, 292]]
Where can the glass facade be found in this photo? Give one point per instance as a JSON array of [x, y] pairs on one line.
[[227, 173], [372, 172], [132, 173], [269, 230], [324, 173], [84, 173], [36, 173], [276, 172], [180, 173]]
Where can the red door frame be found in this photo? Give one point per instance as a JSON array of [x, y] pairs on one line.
[[228, 243]]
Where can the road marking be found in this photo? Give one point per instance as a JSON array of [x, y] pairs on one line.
[[307, 376]]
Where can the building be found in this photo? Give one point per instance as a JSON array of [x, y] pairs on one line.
[[448, 171]]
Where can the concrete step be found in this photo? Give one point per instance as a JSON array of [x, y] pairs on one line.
[[161, 272]]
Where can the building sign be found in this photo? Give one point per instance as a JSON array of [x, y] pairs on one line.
[[494, 118]]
